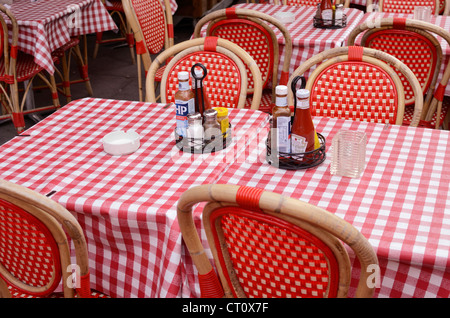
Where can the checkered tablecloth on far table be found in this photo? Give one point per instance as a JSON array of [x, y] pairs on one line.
[[401, 203], [307, 40], [126, 205], [47, 25]]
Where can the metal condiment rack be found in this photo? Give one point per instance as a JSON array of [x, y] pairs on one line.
[[296, 161], [331, 24], [203, 145]]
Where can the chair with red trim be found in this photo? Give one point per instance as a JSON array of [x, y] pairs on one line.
[[35, 259], [152, 25], [115, 8], [414, 43], [401, 6], [254, 32], [64, 54], [268, 245], [312, 3], [17, 67], [358, 83], [226, 81]]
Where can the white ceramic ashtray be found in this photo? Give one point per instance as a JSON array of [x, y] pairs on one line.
[[284, 17], [120, 143]]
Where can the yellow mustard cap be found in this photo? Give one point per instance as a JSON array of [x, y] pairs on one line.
[[221, 111]]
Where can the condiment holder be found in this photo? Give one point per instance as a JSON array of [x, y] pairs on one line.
[[296, 161], [201, 145], [119, 143]]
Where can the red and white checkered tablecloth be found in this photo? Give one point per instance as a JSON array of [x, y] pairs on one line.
[[47, 25], [126, 205], [401, 203], [307, 40], [440, 20]]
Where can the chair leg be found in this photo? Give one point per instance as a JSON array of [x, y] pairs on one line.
[[98, 40], [66, 77], [130, 41], [83, 69]]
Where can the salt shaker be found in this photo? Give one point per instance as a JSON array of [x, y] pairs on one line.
[[195, 131]]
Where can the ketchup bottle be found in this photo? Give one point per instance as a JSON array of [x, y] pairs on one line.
[[303, 132]]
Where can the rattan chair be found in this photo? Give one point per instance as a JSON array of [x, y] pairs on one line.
[[116, 10], [356, 83], [152, 25], [401, 6], [17, 67], [268, 245], [444, 7], [64, 55], [252, 31], [226, 80], [35, 258], [415, 44], [313, 3]]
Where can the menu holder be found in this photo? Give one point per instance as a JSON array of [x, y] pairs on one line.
[[200, 145], [330, 24], [296, 161]]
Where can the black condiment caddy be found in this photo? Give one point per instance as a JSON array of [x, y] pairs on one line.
[[330, 24], [296, 161], [202, 145]]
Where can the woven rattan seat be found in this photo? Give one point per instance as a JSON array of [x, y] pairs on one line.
[[152, 25], [17, 67], [268, 245], [35, 258], [226, 80], [116, 10], [356, 83], [415, 44], [252, 31]]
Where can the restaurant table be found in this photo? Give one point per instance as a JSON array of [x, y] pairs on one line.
[[401, 202], [440, 20], [126, 205], [46, 25], [307, 40]]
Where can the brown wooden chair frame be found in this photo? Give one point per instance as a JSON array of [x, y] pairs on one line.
[[10, 88], [375, 57], [434, 97], [270, 23], [321, 223], [179, 51], [144, 58], [59, 221]]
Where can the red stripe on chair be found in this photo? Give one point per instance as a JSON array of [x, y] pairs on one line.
[[355, 53], [440, 92], [231, 13], [140, 47], [399, 23], [14, 51], [130, 39], [284, 78], [211, 43], [248, 197], [210, 286], [18, 119], [84, 290], [170, 32]]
